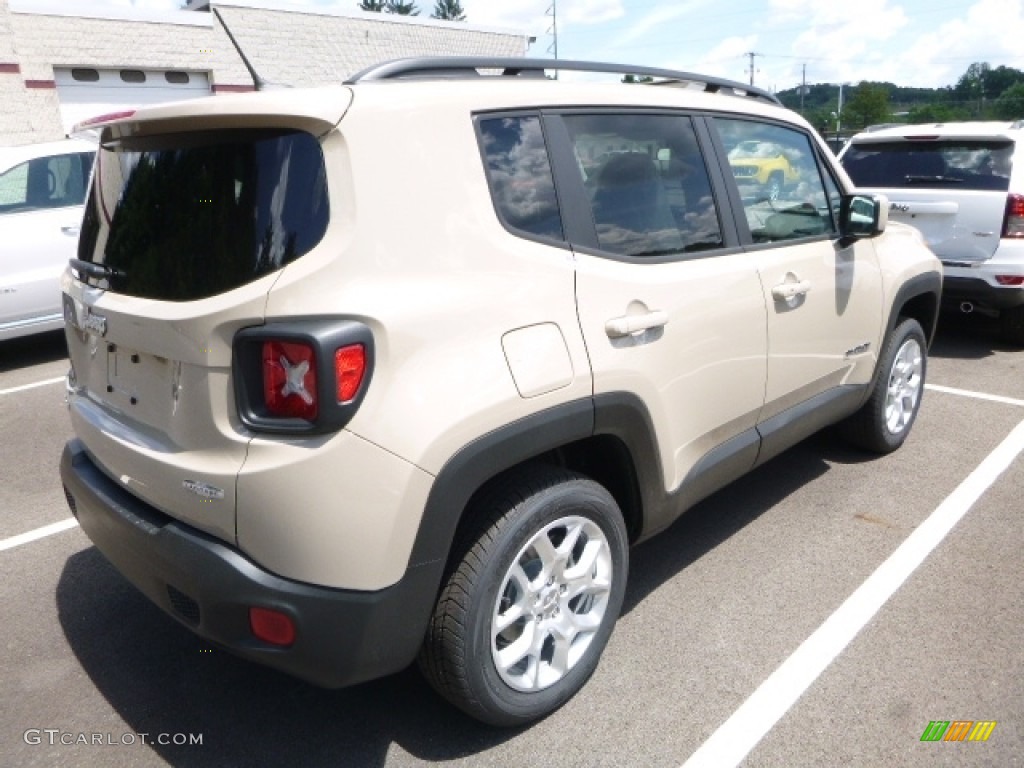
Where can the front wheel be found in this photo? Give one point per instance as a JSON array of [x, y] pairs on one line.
[[525, 613], [884, 421]]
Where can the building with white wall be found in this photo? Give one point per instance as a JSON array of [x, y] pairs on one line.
[[64, 60]]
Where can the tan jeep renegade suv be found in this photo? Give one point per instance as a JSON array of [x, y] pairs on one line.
[[401, 368]]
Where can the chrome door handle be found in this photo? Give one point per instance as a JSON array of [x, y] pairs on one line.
[[787, 291], [627, 325]]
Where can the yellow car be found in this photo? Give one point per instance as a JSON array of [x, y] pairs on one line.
[[763, 163]]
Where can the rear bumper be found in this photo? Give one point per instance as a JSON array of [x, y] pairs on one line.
[[343, 637], [956, 290]]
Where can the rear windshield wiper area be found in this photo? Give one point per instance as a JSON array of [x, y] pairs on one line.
[[95, 271]]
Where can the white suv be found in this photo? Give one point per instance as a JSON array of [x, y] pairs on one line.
[[42, 189], [962, 186], [400, 368]]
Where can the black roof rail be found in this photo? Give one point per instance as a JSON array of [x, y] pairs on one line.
[[438, 67]]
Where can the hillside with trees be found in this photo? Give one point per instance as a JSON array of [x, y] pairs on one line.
[[981, 93]]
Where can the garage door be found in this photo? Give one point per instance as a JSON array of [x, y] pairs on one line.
[[85, 92]]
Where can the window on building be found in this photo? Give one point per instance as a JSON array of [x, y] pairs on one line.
[[84, 75]]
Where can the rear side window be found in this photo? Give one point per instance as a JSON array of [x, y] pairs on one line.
[[962, 165], [648, 187], [519, 175], [181, 217]]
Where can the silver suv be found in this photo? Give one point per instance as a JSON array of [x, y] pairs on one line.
[[959, 184], [401, 368]]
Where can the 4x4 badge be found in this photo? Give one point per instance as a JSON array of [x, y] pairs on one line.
[[203, 490]]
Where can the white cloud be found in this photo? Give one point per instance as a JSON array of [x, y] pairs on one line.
[[661, 14], [533, 15]]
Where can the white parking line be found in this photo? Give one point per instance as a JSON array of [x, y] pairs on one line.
[[975, 395], [734, 739], [23, 387], [38, 533]]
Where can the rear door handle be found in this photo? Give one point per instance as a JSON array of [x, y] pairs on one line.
[[787, 291], [627, 325]]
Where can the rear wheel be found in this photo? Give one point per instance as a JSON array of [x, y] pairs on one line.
[[884, 421], [1011, 325], [525, 613]]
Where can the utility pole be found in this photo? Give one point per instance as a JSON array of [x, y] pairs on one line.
[[552, 11], [751, 54], [803, 86]]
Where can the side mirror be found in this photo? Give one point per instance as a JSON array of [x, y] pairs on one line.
[[863, 216]]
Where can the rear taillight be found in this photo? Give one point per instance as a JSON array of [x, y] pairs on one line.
[[289, 380], [1010, 279], [1013, 222], [349, 369], [305, 376]]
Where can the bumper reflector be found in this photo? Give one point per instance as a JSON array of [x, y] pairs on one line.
[[271, 626]]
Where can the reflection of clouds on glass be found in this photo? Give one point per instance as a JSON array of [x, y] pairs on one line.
[[619, 239], [700, 226], [278, 199], [520, 174]]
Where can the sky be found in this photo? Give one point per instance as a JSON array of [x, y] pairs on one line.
[[916, 43]]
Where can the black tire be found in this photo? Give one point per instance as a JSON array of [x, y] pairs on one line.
[[1011, 325], [459, 654], [884, 421]]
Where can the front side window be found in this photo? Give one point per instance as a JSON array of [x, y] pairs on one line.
[[931, 164], [45, 182], [647, 183], [180, 217], [519, 175], [779, 180]]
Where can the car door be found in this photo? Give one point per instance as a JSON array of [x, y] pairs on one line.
[[668, 311], [40, 215], [823, 296]]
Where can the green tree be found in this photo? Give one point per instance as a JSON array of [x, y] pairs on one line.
[[1010, 104], [448, 10], [936, 113], [402, 8], [970, 89], [868, 104], [389, 6]]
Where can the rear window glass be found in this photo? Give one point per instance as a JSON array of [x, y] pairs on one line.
[[186, 216], [519, 174], [969, 165]]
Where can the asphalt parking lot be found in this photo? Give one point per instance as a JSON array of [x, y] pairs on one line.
[[822, 611]]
